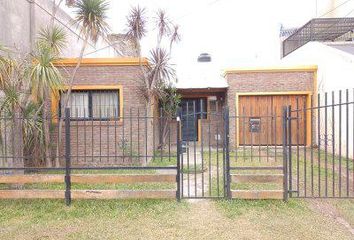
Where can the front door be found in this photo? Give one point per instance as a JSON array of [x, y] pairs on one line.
[[189, 119]]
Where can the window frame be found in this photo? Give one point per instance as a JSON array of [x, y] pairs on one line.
[[90, 89]]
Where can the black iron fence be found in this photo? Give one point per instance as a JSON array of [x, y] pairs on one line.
[[323, 166], [132, 149], [305, 149]]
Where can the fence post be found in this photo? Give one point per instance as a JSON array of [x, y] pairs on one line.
[[227, 152], [67, 158], [290, 167], [285, 153], [178, 180]]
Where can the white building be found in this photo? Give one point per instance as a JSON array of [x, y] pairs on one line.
[[21, 20]]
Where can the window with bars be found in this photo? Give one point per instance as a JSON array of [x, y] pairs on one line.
[[92, 104]]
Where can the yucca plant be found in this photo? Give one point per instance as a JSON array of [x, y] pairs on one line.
[[159, 73], [52, 37], [13, 84], [46, 81]]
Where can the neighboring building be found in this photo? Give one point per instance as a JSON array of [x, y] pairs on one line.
[[21, 20], [328, 43], [317, 29]]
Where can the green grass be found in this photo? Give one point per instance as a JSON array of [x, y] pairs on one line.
[[41, 211], [156, 219], [236, 207], [194, 169]]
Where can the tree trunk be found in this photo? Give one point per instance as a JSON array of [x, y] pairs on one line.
[[17, 139], [66, 102], [46, 130]]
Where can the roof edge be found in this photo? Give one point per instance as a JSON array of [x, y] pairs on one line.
[[300, 68], [118, 61]]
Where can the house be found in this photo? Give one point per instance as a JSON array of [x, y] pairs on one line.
[[108, 107]]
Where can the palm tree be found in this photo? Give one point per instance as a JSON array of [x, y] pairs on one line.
[[159, 73], [159, 69], [91, 17]]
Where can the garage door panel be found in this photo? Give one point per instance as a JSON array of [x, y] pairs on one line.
[[260, 119]]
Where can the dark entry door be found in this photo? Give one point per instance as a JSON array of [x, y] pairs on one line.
[[189, 119]]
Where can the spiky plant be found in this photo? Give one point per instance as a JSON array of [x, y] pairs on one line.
[[159, 72], [91, 16], [136, 25], [53, 37], [46, 79], [175, 36]]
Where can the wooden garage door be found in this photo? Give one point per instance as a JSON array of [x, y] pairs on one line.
[[260, 119]]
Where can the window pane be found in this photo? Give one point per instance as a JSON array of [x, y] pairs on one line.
[[105, 104], [78, 104]]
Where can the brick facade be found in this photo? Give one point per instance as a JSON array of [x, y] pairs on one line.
[[97, 143], [114, 142], [282, 80]]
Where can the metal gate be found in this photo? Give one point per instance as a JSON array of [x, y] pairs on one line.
[[202, 151]]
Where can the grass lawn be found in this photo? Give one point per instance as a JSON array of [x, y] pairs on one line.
[[160, 219], [154, 219]]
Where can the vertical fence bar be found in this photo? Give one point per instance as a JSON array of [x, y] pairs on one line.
[[217, 154], [67, 158], [138, 138], [326, 146], [115, 135], [123, 135], [146, 135], [319, 143], [297, 147], [312, 143], [201, 142], [347, 141], [267, 133], [187, 146], [290, 165], [333, 146], [195, 129], [285, 154], [161, 135], [131, 134], [178, 140], [108, 116], [340, 144], [209, 155], [305, 146], [275, 134], [227, 153]]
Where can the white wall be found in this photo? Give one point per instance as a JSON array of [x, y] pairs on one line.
[[335, 8], [335, 72], [16, 22]]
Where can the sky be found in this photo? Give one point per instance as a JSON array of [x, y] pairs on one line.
[[236, 33]]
